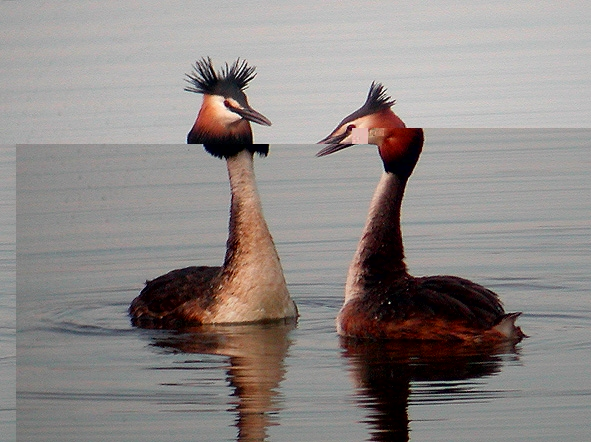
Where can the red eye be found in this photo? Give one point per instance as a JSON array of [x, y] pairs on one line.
[[350, 127], [227, 103]]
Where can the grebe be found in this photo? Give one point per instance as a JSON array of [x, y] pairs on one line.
[[249, 286], [381, 299]]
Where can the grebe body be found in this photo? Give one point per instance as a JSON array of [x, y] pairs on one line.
[[250, 285], [382, 300]]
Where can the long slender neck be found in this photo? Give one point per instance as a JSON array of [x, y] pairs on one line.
[[252, 283], [249, 237], [380, 254]]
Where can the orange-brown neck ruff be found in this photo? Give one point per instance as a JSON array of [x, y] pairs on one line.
[[400, 150]]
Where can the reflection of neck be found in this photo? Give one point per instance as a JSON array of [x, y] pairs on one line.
[[257, 369], [380, 253], [256, 388], [388, 387], [382, 373]]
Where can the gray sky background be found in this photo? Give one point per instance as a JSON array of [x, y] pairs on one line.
[[110, 72]]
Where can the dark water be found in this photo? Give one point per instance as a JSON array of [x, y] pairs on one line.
[[507, 208], [7, 292]]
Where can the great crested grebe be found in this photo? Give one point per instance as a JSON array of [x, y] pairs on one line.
[[381, 299], [249, 286]]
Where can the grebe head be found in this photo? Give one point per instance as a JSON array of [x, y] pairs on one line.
[[375, 123], [222, 124]]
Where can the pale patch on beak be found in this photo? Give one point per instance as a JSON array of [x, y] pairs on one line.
[[355, 135]]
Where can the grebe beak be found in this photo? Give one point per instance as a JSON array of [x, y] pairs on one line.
[[334, 144], [248, 113], [332, 148]]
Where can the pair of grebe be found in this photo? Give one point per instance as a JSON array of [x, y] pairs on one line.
[[382, 300]]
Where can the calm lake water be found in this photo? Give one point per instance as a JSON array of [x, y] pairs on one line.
[[110, 72], [506, 208]]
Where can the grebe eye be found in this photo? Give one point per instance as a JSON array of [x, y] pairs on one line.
[[350, 127], [226, 103]]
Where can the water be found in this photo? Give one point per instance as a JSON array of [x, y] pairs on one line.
[[102, 72], [7, 292], [506, 208], [96, 72]]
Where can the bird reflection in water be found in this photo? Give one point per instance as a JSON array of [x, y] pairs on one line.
[[256, 355], [383, 373]]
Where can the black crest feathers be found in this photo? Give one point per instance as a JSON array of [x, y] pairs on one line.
[[205, 80], [377, 98]]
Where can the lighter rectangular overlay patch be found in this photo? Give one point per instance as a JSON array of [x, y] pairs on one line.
[[359, 135]]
